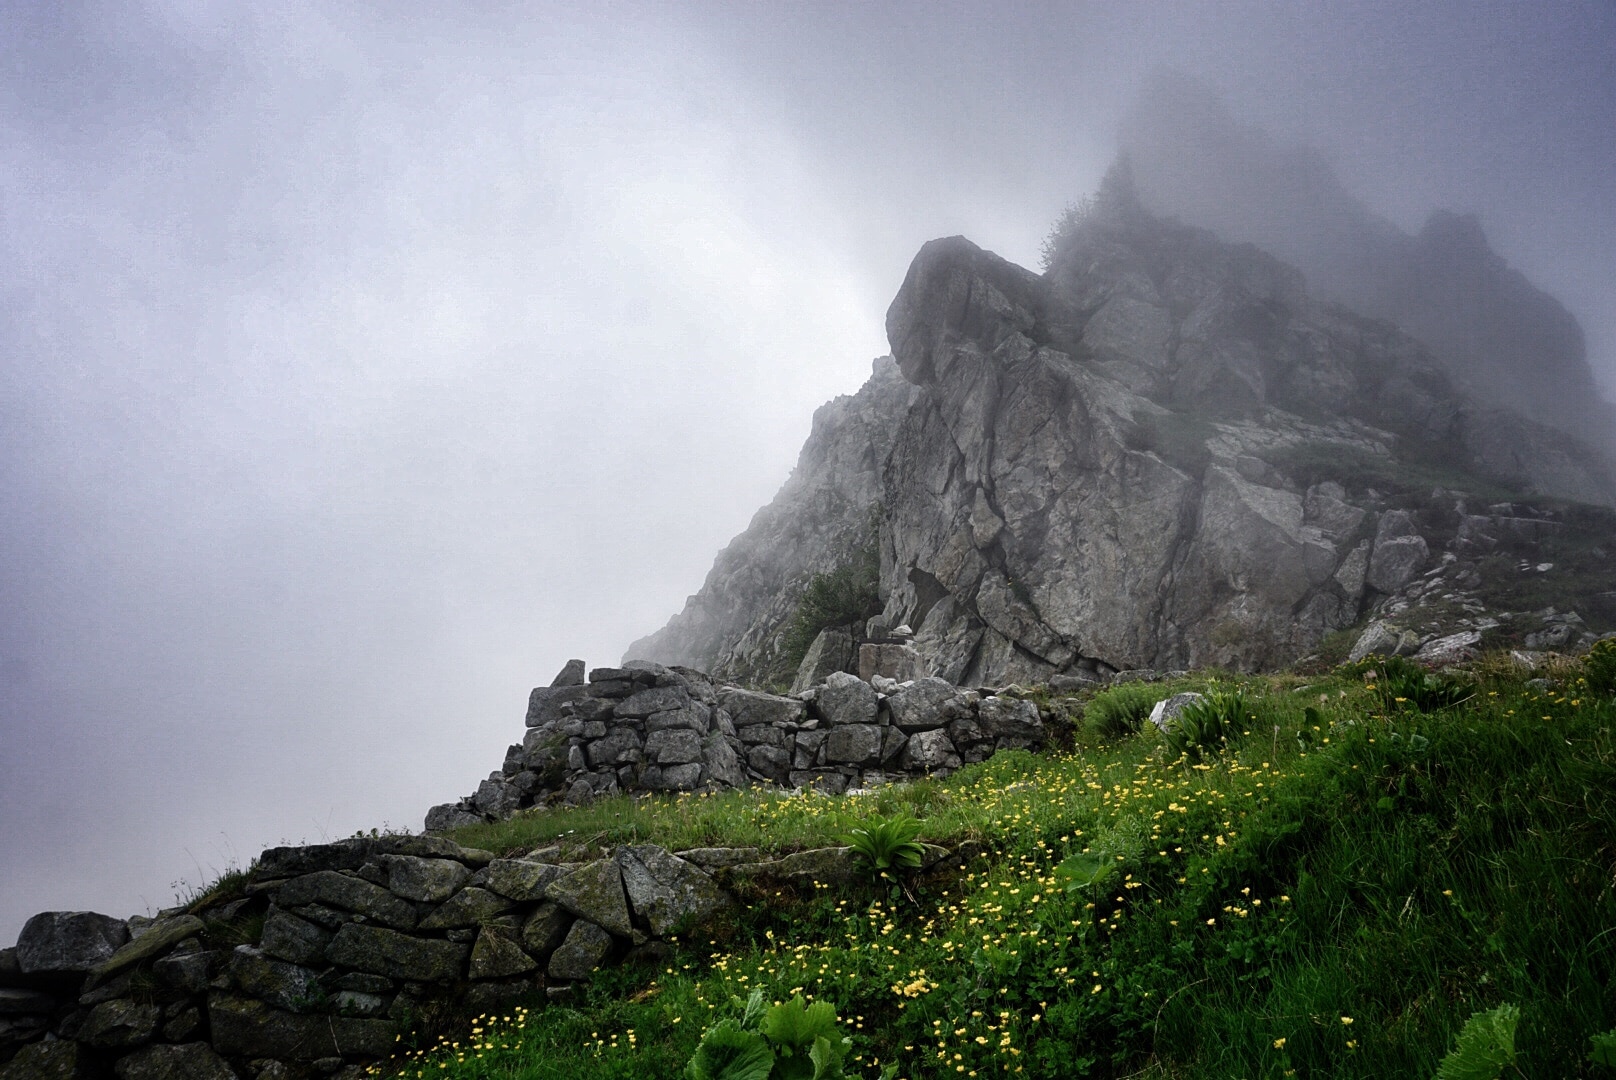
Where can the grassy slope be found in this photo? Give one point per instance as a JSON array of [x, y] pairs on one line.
[[1335, 907]]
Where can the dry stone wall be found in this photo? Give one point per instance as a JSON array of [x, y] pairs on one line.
[[645, 727], [325, 954], [330, 952]]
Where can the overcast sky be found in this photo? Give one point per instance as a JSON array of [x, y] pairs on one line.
[[362, 363]]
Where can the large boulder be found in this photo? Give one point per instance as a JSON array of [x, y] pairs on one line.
[[832, 651], [847, 699], [286, 986], [667, 892], [339, 890], [928, 751], [854, 744], [498, 955], [1165, 712], [245, 1028], [69, 941], [471, 906], [594, 892], [520, 879], [297, 941], [119, 1023], [585, 949], [381, 951], [1008, 717], [925, 704], [429, 881], [749, 707], [57, 1059], [160, 937]]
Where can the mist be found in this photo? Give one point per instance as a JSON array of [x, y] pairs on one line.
[[359, 369]]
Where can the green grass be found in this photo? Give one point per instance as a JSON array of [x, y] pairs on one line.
[[1333, 895]]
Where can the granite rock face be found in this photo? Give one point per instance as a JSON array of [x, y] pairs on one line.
[[1161, 453]]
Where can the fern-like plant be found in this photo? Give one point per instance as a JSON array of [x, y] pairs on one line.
[[888, 844], [1486, 1046]]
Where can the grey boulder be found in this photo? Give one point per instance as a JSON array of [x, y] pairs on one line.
[[668, 892], [69, 941]]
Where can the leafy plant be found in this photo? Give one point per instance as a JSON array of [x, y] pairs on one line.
[[789, 1041], [888, 844], [1602, 1049], [1599, 667], [1485, 1048], [1403, 684], [1204, 727], [1121, 710]]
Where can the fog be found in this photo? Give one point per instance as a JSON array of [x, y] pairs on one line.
[[362, 364]]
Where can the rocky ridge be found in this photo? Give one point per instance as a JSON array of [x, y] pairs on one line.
[[1162, 453]]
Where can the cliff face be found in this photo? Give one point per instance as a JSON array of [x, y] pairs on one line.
[[1161, 453], [1501, 338]]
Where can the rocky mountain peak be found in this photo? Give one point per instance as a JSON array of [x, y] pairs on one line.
[[1160, 453]]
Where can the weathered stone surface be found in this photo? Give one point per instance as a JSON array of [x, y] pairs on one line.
[[893, 744], [586, 948], [544, 705], [399, 956], [1166, 711], [675, 746], [695, 717], [119, 1023], [545, 929], [470, 906], [191, 1061], [930, 750], [1399, 552], [749, 707], [160, 937], [190, 972], [354, 894], [430, 881], [854, 744], [1006, 716], [830, 866], [286, 986], [720, 764], [847, 699], [60, 1059], [498, 955], [63, 941], [351, 854], [833, 650], [714, 858], [1378, 639], [621, 747], [654, 700], [245, 1028], [595, 893], [762, 735], [805, 752], [571, 674], [769, 761], [520, 879], [925, 704], [667, 892], [497, 798], [900, 663], [671, 777], [1450, 648], [447, 816]]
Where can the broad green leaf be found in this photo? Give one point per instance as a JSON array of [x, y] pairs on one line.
[[827, 1056], [1485, 1046], [1602, 1050], [1081, 871], [753, 1010], [729, 1052], [795, 1025]]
